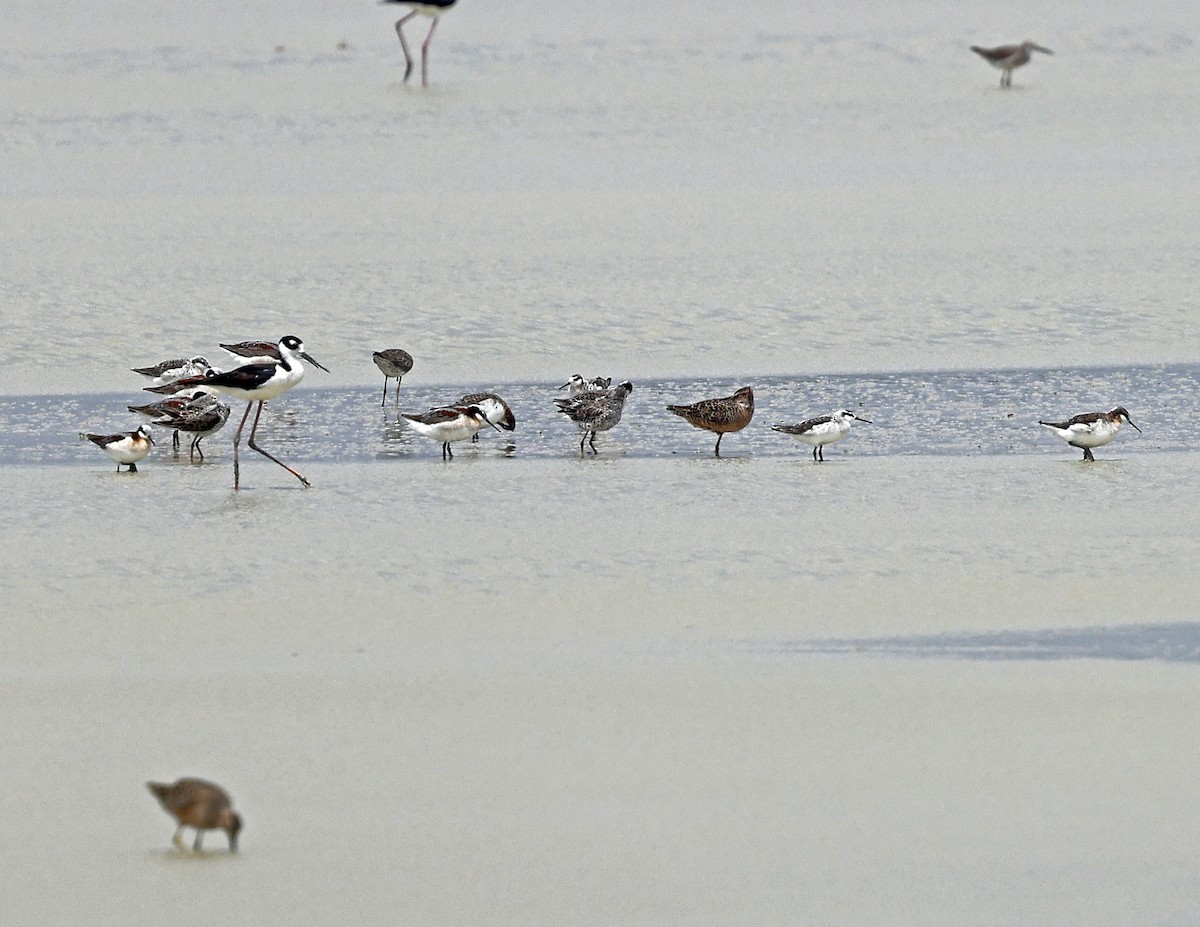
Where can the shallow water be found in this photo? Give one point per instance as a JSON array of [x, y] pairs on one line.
[[946, 677]]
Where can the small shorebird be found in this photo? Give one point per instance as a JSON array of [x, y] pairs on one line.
[[577, 385], [1008, 57], [200, 805], [595, 411], [822, 430], [187, 385], [732, 413], [432, 9], [200, 418], [1091, 429], [161, 409], [451, 423], [499, 413], [259, 383], [125, 448], [392, 362], [172, 370]]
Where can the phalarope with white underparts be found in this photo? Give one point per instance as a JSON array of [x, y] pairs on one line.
[[1091, 429], [822, 430]]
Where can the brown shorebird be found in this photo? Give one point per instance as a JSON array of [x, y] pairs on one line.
[[200, 805], [822, 430], [432, 9], [392, 362], [1091, 429], [1008, 57], [733, 413], [125, 448], [594, 411]]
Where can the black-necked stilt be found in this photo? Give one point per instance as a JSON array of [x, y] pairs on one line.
[[200, 805], [392, 362], [1091, 429], [1008, 57], [822, 430], [595, 411], [125, 448], [431, 8], [449, 424], [731, 413], [172, 370], [259, 383]]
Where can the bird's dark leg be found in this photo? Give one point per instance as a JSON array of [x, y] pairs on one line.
[[132, 468], [821, 455], [408, 61], [175, 441], [196, 449], [384, 403], [592, 443], [237, 439], [815, 446], [425, 55], [717, 449], [398, 379], [199, 835], [1087, 454], [254, 431]]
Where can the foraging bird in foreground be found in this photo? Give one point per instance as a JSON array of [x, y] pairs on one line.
[[595, 411], [449, 424], [126, 447], [200, 805], [432, 9], [200, 419], [732, 413], [1008, 57], [258, 383], [392, 362], [822, 430], [1091, 429]]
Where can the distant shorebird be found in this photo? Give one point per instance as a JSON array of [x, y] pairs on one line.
[[200, 805], [1091, 429], [157, 411], [825, 429], [732, 413], [595, 411], [449, 424], [125, 448], [1009, 57], [172, 370], [259, 383], [432, 9], [392, 362], [577, 385]]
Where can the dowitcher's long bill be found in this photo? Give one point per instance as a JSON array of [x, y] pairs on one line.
[[257, 383], [392, 362], [1008, 57], [595, 411], [432, 9], [732, 413], [200, 805], [1092, 429], [822, 430]]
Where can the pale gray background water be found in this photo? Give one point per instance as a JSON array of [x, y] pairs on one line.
[[650, 687]]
